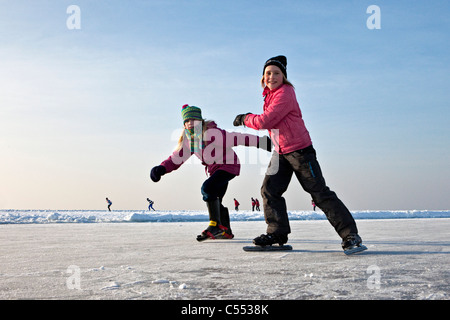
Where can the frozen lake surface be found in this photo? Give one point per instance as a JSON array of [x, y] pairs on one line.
[[406, 259]]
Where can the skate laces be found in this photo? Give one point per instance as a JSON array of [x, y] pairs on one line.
[[213, 223]]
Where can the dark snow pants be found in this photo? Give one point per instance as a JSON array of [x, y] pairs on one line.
[[216, 185], [307, 170]]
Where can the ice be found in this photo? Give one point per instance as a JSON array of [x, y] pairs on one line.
[[113, 286], [161, 281], [406, 259], [182, 286]]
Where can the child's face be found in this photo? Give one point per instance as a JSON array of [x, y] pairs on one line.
[[191, 123], [273, 77]]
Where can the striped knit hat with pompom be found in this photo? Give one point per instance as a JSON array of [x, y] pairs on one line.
[[191, 112]]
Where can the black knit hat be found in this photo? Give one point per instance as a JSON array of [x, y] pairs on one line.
[[279, 61]]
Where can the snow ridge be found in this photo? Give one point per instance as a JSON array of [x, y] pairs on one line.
[[103, 216]]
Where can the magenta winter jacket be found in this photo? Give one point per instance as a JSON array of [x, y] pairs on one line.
[[217, 153], [283, 118]]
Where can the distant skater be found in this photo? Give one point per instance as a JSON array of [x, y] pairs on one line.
[[313, 205], [253, 204], [236, 204], [150, 205], [109, 204], [257, 204]]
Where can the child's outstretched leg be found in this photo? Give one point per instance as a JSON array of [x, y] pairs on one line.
[[309, 174]]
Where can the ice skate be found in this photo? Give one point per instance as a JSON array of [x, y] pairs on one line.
[[265, 243], [225, 220], [214, 231], [352, 244], [270, 239]]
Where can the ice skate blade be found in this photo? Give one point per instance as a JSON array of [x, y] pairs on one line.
[[355, 250], [268, 248]]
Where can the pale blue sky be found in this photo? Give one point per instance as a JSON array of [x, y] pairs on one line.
[[85, 114]]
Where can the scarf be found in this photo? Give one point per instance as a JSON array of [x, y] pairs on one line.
[[195, 139]]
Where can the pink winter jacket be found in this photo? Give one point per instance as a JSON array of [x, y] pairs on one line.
[[283, 118], [217, 153]]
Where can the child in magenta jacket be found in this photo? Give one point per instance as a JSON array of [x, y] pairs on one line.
[[293, 153], [213, 146]]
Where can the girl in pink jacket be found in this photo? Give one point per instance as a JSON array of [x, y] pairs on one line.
[[213, 146], [293, 153]]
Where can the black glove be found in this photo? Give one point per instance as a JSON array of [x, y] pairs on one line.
[[239, 120], [157, 172], [265, 143]]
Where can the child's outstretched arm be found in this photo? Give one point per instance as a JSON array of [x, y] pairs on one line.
[[228, 140], [249, 140], [172, 163], [156, 173], [282, 104]]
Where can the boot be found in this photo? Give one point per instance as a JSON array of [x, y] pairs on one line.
[[215, 229], [351, 241], [225, 220], [270, 239]]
